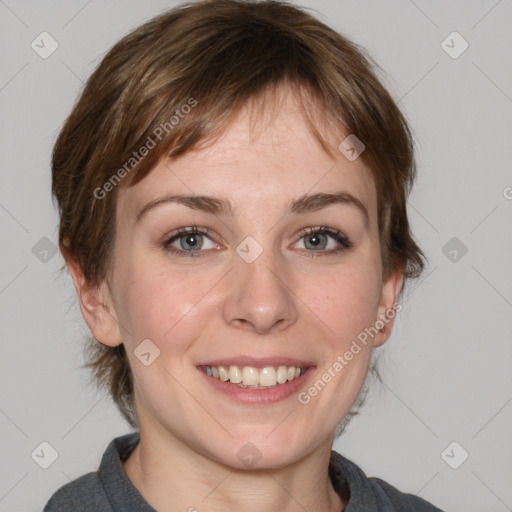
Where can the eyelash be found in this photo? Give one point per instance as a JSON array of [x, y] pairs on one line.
[[343, 241]]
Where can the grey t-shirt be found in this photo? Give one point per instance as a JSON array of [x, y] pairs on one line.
[[110, 490]]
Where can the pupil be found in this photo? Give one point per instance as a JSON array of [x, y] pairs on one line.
[[315, 240], [191, 241]]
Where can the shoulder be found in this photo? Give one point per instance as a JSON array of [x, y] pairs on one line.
[[104, 490], [401, 501], [85, 494], [371, 494]]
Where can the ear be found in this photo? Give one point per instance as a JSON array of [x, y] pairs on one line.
[[387, 309], [96, 305]]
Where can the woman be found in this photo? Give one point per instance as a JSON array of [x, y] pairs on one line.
[[232, 190]]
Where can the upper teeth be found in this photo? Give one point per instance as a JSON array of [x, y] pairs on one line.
[[254, 377]]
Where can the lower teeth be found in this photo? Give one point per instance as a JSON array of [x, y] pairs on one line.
[[240, 385]]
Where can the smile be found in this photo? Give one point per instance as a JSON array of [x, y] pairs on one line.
[[253, 377]]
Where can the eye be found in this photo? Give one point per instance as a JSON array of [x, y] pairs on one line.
[[317, 240], [190, 241]]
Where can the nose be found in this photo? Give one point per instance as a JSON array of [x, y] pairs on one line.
[[260, 297]]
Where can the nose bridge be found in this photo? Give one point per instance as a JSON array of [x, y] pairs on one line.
[[258, 297]]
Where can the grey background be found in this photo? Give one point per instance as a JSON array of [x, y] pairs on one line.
[[446, 368]]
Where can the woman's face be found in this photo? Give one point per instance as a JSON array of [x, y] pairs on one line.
[[256, 288]]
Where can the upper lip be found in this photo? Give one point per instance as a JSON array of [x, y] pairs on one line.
[[259, 362]]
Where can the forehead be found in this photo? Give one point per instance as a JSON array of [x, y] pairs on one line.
[[265, 156]]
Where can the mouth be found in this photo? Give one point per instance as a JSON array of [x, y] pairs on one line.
[[255, 377]]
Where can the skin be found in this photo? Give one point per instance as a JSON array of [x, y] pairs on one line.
[[291, 301]]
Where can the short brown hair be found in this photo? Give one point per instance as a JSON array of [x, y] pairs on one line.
[[220, 54]]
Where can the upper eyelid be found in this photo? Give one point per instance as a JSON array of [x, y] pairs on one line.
[[190, 230]]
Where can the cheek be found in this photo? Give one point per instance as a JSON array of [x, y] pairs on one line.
[[162, 305], [347, 302]]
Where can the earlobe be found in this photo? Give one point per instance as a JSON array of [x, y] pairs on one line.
[[387, 309], [96, 306]]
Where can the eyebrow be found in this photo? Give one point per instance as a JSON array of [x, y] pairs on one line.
[[219, 206]]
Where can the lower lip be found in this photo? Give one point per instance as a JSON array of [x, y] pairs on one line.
[[271, 395]]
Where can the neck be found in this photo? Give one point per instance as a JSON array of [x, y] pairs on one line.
[[171, 476]]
